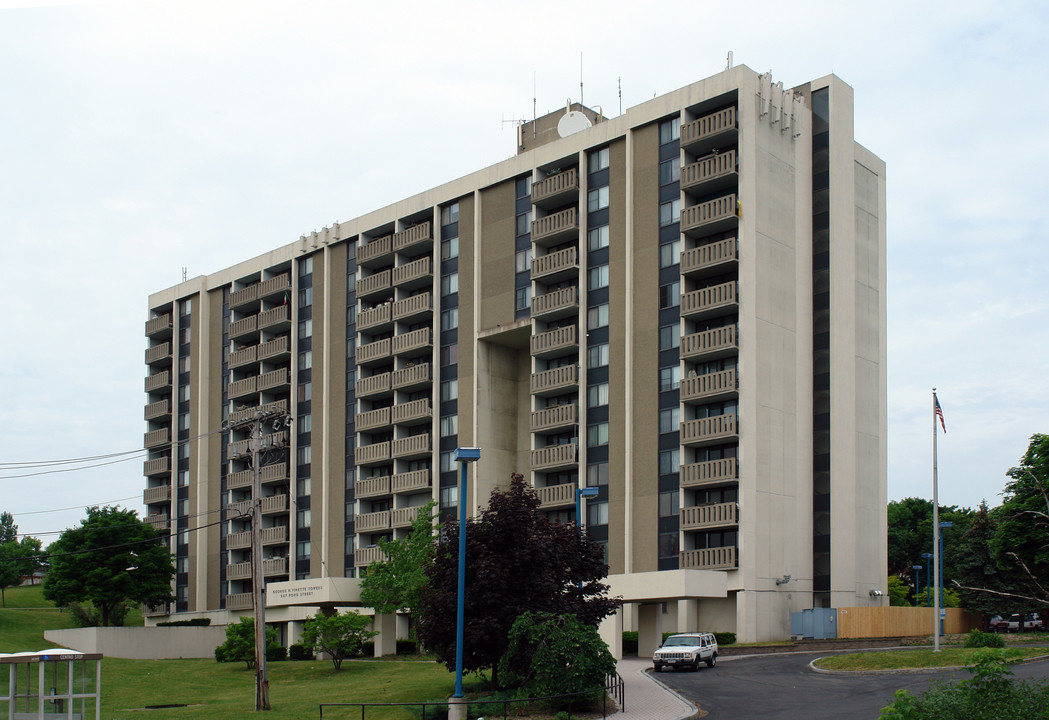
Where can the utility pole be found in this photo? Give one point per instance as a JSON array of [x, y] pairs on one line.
[[258, 587]]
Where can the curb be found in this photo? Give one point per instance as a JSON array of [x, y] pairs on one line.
[[901, 671]]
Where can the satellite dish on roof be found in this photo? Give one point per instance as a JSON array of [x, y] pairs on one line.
[[572, 122]]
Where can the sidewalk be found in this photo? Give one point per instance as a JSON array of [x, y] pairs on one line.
[[646, 697]]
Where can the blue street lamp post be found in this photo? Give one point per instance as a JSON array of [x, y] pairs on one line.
[[928, 599], [943, 608], [917, 580], [463, 456]]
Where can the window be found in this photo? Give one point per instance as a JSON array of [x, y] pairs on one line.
[[450, 248], [670, 254], [183, 363], [183, 508], [302, 518], [305, 360], [305, 391], [523, 298], [669, 171], [597, 474], [524, 223], [449, 425], [597, 356], [669, 337], [302, 550], [183, 393], [450, 284], [450, 319], [597, 199], [597, 395], [669, 130], [303, 486], [183, 421], [450, 354], [304, 423], [304, 455], [449, 496], [597, 513], [449, 390], [668, 462], [185, 307], [598, 160], [524, 186], [523, 260], [668, 504], [597, 317], [669, 213], [670, 295], [669, 378], [305, 297], [669, 420], [305, 266], [597, 238], [182, 564], [183, 449], [183, 478], [305, 329], [447, 464], [450, 214], [184, 335], [598, 277], [351, 347], [668, 545], [597, 434]]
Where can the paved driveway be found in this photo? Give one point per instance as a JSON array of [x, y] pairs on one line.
[[782, 687]]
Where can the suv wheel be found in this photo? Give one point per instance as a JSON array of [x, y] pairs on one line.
[[712, 660], [657, 668]]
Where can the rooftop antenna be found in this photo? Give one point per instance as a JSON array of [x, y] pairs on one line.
[[728, 61], [534, 93], [620, 81], [184, 269], [580, 78]]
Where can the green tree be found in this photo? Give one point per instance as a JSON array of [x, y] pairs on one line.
[[910, 534], [552, 654], [8, 529], [339, 635], [17, 559], [240, 643], [396, 584], [113, 557], [977, 567], [516, 561], [898, 592]]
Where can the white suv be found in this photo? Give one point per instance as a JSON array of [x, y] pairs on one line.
[[686, 651]]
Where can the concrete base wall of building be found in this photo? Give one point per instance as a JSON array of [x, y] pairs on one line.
[[142, 643]]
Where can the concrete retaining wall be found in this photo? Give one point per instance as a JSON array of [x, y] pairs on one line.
[[142, 643]]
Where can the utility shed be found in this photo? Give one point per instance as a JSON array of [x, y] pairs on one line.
[[57, 684]]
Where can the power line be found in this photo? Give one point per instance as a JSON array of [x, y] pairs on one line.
[[75, 507], [239, 516]]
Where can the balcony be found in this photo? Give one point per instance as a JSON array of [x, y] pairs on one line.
[[159, 327], [711, 344], [559, 189], [709, 302], [722, 385], [710, 472], [413, 446], [362, 557], [372, 487], [414, 343], [247, 413], [372, 385], [710, 517], [373, 454], [554, 418], [238, 540], [710, 217], [153, 438], [553, 457], [411, 377], [415, 307], [372, 419], [274, 504], [376, 284], [375, 252], [711, 259], [156, 495], [557, 304], [244, 326], [556, 266], [238, 449], [274, 566], [241, 508], [559, 341], [372, 522], [553, 496], [273, 379], [244, 296], [244, 356], [156, 466], [238, 601], [275, 348], [158, 382], [277, 472], [703, 135], [403, 517], [555, 381], [375, 317], [719, 558], [711, 173], [159, 521], [709, 431], [158, 354], [278, 318], [157, 409], [373, 352], [415, 274], [411, 481], [555, 229], [277, 535], [274, 285], [417, 237], [240, 388], [410, 413]]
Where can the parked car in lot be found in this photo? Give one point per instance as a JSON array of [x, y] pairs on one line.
[[998, 624], [1034, 622], [686, 650]]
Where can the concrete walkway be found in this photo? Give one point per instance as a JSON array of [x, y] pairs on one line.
[[646, 697]]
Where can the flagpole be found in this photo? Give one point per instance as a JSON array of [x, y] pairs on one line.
[[935, 535]]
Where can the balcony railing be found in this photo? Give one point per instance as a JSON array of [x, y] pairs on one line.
[[272, 379], [555, 379], [562, 301], [365, 556], [709, 430], [279, 283], [247, 386], [156, 466], [159, 521], [372, 419], [372, 487], [372, 385], [723, 384], [411, 446], [275, 566], [719, 558], [556, 495], [273, 348], [373, 351], [154, 438], [238, 540], [556, 189], [158, 381], [242, 414], [280, 315], [156, 409], [277, 535], [559, 262], [244, 326], [238, 448], [709, 472], [239, 479], [554, 342], [411, 481], [412, 342], [403, 517], [158, 353], [710, 301], [380, 315], [554, 417], [155, 495], [413, 375], [375, 249], [416, 234], [277, 472], [161, 609], [158, 325], [708, 127], [244, 356], [238, 509], [411, 411], [372, 522], [710, 258], [710, 173], [554, 456], [552, 229], [711, 216], [238, 601], [410, 307], [379, 282], [413, 273], [708, 517], [374, 453], [714, 343], [244, 295], [274, 504]]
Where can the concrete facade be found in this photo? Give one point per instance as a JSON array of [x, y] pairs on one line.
[[683, 306]]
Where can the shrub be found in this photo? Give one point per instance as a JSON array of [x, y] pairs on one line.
[[240, 643], [979, 639], [298, 651], [276, 653], [338, 636], [725, 638], [406, 647], [629, 642], [367, 649]]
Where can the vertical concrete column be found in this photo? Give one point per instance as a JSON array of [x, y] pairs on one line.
[[386, 640], [294, 631], [688, 615], [403, 631], [611, 631], [649, 628]]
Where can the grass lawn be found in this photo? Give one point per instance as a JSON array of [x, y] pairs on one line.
[[918, 658]]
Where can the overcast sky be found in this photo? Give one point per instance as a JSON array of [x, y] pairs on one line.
[[139, 138]]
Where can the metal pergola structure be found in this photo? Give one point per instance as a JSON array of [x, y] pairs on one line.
[[54, 685]]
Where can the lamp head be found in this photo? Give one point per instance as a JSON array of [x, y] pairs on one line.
[[586, 492], [466, 454]]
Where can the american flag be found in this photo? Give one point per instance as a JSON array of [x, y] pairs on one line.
[[939, 412]]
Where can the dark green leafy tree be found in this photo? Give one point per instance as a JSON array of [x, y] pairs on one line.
[[898, 592], [17, 559], [339, 635], [910, 535], [516, 561], [396, 584], [977, 567], [112, 558], [240, 643], [8, 529], [554, 655]]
